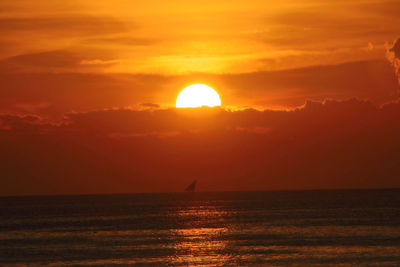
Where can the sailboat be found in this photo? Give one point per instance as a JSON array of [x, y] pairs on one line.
[[191, 187]]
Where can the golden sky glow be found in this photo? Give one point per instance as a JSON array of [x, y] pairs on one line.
[[145, 51], [200, 36]]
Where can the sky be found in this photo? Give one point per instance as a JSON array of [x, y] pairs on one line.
[[309, 93]]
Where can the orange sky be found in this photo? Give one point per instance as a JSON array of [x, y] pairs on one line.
[[176, 38], [81, 77], [198, 36]]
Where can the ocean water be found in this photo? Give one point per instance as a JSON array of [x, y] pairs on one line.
[[298, 228]]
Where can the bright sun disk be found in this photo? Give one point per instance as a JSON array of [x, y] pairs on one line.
[[198, 95]]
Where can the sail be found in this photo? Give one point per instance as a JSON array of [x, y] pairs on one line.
[[191, 187]]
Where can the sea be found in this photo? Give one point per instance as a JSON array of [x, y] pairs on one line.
[[275, 228]]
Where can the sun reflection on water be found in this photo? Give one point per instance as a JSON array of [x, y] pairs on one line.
[[198, 245]]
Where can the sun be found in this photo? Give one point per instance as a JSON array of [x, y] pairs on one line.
[[198, 95]]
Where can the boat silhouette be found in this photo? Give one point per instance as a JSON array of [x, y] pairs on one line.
[[191, 187]]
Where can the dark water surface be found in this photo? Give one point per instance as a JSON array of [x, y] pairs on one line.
[[319, 228]]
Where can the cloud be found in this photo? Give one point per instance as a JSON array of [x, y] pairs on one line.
[[66, 91], [386, 9], [71, 86], [331, 144], [100, 62], [62, 25], [24, 33], [393, 55], [128, 121], [150, 105], [44, 61], [22, 123], [33, 107], [373, 80], [313, 28], [58, 61], [396, 49], [281, 32], [122, 40]]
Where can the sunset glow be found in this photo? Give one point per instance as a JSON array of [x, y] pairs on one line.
[[119, 84], [200, 133]]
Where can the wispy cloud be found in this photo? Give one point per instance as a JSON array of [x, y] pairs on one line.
[[61, 26]]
